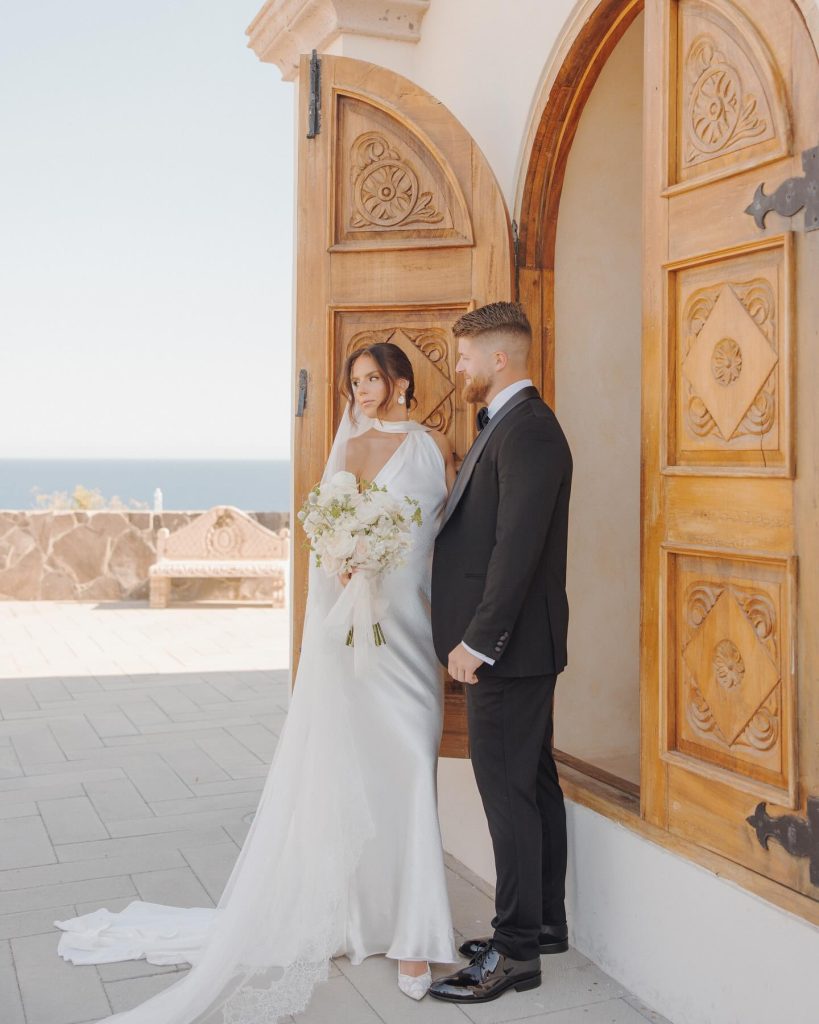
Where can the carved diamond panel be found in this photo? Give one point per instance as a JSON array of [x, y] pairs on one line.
[[731, 348], [425, 336], [729, 361], [728, 664], [389, 188], [730, 113], [729, 689]]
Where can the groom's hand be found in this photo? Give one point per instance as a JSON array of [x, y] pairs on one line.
[[462, 665]]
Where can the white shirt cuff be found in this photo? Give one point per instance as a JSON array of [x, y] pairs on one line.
[[477, 654]]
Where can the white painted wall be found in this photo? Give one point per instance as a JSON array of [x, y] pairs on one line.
[[484, 68], [694, 946]]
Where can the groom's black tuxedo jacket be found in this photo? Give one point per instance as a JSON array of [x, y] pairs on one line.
[[499, 568]]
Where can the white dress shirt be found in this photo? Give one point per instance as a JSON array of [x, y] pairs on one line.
[[500, 399]]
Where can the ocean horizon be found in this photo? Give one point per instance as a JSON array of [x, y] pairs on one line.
[[254, 485]]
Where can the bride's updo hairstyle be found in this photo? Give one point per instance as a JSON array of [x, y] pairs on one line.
[[394, 366]]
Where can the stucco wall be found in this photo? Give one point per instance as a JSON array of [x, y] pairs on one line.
[[597, 383], [484, 68]]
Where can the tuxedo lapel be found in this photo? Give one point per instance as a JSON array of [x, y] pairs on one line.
[[471, 457]]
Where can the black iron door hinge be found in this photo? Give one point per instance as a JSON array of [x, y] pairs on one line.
[[792, 195], [799, 836], [314, 108], [301, 401]]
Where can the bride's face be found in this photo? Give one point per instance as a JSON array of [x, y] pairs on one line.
[[369, 387]]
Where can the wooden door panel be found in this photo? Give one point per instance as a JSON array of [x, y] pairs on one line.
[[758, 514], [695, 226], [729, 700], [730, 362], [403, 276], [726, 92], [725, 304], [401, 228], [704, 822], [390, 189]]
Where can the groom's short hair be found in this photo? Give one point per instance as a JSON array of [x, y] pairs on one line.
[[508, 318]]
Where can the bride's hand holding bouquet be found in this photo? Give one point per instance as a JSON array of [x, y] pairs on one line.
[[360, 533]]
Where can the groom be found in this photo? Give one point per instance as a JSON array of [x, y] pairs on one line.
[[499, 619]]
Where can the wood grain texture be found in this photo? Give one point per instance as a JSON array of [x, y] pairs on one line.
[[401, 227], [723, 308], [730, 439]]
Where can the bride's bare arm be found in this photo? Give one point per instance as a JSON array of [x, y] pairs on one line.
[[449, 456]]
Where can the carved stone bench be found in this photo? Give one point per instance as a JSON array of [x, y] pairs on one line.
[[222, 542]]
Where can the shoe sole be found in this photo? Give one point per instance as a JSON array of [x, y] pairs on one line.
[[520, 986]]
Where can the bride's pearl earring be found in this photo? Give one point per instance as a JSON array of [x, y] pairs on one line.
[[401, 399]]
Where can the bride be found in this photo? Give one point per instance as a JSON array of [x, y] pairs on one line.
[[344, 854]]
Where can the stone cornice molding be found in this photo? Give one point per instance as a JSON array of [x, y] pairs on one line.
[[284, 29]]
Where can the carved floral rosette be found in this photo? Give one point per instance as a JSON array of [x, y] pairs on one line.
[[386, 190], [722, 114]]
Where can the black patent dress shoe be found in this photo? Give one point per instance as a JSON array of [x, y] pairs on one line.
[[553, 938], [487, 976]]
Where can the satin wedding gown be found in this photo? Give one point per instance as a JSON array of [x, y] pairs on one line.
[[344, 853]]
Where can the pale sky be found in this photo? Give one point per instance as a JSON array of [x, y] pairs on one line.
[[146, 194]]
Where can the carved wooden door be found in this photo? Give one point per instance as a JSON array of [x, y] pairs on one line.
[[729, 652], [401, 228]]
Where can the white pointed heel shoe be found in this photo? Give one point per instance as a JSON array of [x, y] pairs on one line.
[[415, 988]]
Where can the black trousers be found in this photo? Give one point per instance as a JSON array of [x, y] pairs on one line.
[[510, 734]]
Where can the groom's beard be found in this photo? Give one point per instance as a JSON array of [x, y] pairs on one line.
[[476, 390]]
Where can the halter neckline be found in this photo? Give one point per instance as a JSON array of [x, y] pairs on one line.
[[397, 426]]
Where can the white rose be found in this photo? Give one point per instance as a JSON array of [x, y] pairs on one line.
[[344, 482], [368, 512], [341, 545]]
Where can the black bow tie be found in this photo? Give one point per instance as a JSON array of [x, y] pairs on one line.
[[482, 417]]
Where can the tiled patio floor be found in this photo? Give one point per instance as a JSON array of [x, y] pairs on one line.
[[133, 747]]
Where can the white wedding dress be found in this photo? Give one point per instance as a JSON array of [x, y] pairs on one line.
[[344, 853]]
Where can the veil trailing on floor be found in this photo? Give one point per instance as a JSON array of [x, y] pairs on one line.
[[282, 914]]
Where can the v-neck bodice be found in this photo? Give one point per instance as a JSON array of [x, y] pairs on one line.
[[416, 469], [413, 430]]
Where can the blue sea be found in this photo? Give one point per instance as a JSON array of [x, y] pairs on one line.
[[255, 485]]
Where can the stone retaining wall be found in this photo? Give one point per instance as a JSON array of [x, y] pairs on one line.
[[103, 556]]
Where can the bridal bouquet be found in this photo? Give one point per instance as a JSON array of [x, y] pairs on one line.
[[364, 532]]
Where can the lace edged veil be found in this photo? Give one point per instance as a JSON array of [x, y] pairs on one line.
[[282, 914]]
